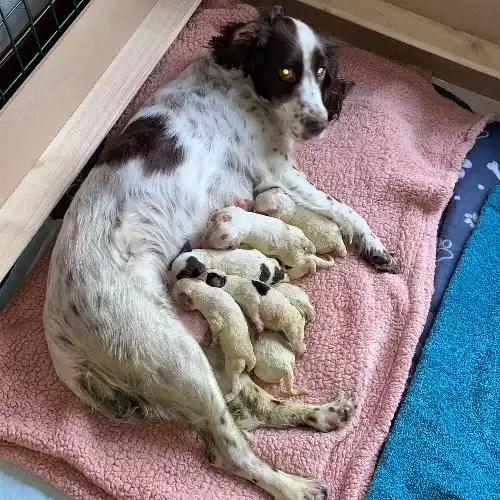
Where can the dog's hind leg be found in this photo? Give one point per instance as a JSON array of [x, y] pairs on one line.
[[227, 446], [254, 408], [195, 396]]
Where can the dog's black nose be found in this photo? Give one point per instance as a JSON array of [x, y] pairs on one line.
[[314, 127]]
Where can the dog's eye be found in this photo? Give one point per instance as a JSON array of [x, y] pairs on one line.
[[321, 72], [287, 74]]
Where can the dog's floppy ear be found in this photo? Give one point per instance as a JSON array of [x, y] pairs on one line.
[[337, 96], [233, 48], [334, 90], [234, 45], [193, 269]]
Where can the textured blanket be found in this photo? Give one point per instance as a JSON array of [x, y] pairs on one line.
[[394, 156], [453, 399]]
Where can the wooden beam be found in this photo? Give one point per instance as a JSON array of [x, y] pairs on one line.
[[438, 39], [87, 114]]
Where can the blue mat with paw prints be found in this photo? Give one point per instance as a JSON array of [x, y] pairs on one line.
[[445, 442]]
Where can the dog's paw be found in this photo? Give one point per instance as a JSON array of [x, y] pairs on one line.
[[386, 263], [333, 415], [301, 488]]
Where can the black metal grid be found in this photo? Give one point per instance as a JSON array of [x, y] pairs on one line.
[[27, 48]]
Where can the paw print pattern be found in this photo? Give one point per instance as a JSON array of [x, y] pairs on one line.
[[466, 164], [443, 251], [493, 166], [471, 219]]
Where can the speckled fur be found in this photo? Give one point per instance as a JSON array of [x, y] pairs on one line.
[[114, 336]]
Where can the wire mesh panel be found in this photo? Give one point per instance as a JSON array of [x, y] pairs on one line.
[[28, 30]]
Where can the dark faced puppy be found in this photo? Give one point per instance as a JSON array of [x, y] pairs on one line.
[[290, 65]]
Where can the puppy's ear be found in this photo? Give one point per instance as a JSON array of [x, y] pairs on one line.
[[216, 280], [187, 247], [193, 269]]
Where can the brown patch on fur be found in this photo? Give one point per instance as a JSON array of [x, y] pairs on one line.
[[147, 138], [215, 280], [224, 236], [185, 301], [193, 269], [221, 218], [261, 48]]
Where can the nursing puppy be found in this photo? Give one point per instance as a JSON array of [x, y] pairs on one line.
[[223, 129]]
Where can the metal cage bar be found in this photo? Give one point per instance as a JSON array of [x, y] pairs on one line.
[[32, 39]]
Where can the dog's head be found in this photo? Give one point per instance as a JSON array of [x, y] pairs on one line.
[[291, 66]]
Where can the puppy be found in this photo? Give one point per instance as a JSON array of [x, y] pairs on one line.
[[264, 305], [226, 322], [233, 226]]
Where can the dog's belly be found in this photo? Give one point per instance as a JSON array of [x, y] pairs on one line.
[[109, 268], [127, 226]]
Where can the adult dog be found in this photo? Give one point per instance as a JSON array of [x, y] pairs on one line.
[[225, 128]]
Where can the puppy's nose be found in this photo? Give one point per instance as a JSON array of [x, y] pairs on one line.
[[314, 126]]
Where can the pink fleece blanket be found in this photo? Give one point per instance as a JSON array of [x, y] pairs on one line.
[[394, 156]]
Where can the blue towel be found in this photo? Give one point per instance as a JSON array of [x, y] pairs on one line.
[[445, 442]]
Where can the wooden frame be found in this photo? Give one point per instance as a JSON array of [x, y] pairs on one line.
[[64, 110], [418, 31]]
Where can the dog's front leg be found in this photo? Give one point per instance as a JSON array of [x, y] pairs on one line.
[[355, 230]]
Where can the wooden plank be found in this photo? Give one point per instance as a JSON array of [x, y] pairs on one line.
[[36, 114], [462, 48], [477, 17], [31, 202]]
